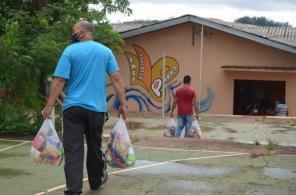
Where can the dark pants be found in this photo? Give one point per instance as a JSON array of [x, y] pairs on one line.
[[78, 122]]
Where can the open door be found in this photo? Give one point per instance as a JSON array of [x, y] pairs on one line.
[[256, 97]]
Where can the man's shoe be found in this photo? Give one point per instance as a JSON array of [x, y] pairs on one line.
[[103, 180], [71, 193], [104, 177]]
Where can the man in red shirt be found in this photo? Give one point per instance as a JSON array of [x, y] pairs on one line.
[[185, 99]]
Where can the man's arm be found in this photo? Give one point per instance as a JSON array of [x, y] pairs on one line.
[[174, 106], [57, 86], [118, 86], [195, 105]]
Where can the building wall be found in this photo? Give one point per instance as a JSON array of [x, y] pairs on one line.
[[182, 43], [225, 49], [175, 42]]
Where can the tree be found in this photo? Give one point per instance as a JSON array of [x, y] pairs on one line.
[[33, 34], [261, 21]]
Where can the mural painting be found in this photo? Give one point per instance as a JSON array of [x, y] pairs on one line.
[[146, 83], [148, 76]]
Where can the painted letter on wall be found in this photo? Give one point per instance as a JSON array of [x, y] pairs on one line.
[[149, 76]]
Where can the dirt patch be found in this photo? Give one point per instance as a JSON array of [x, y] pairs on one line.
[[131, 125], [160, 127], [134, 125], [230, 130], [219, 145], [207, 128], [108, 127], [280, 131], [254, 155]]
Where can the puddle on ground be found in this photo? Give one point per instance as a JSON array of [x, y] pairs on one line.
[[190, 186], [182, 169], [6, 172], [278, 173]]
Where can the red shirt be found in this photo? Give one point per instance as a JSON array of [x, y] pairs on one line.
[[185, 96]]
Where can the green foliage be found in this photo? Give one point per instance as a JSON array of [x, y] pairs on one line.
[[15, 119], [261, 21], [271, 145], [33, 34]]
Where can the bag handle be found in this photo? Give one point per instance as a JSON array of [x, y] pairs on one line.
[[49, 121]]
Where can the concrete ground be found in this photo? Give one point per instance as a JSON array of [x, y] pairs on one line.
[[170, 166], [244, 129]]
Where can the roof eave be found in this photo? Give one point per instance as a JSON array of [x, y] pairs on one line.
[[246, 35], [155, 27], [221, 27]]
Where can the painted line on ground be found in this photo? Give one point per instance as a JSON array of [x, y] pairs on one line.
[[179, 149], [209, 157], [145, 166], [111, 173], [14, 146]]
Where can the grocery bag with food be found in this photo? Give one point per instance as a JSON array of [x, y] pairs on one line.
[[170, 128], [46, 146], [195, 130], [119, 152]]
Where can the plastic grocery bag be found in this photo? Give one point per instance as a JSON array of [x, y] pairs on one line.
[[195, 130], [119, 152], [46, 146], [170, 128]]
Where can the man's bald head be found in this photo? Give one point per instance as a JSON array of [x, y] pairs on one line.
[[84, 29], [84, 25]]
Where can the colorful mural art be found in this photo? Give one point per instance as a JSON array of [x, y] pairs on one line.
[[146, 83], [149, 76], [142, 99], [205, 104], [145, 103]]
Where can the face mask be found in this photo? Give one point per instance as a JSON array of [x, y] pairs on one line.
[[75, 38]]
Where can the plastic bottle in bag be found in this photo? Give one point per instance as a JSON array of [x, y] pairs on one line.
[[131, 158]]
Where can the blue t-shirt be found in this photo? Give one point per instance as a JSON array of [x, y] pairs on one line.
[[84, 65]]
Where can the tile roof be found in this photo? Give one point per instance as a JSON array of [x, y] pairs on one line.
[[126, 26], [283, 35], [286, 35]]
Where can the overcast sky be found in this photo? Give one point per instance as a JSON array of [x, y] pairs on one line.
[[228, 10]]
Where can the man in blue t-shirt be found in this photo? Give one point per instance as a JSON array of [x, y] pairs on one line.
[[81, 72]]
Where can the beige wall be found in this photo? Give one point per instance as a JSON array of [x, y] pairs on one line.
[[175, 42], [225, 49], [219, 49]]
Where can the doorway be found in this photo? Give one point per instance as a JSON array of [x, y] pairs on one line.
[[257, 97]]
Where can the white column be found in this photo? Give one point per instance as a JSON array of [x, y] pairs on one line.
[[163, 83], [200, 62]]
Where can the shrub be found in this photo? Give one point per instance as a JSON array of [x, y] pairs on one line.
[[17, 120]]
